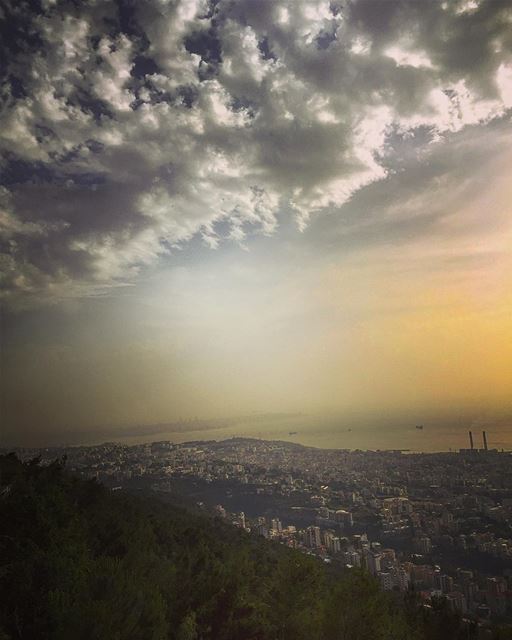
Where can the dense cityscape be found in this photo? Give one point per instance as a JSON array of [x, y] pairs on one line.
[[255, 320], [437, 523]]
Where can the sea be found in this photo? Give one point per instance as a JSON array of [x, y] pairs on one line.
[[334, 432]]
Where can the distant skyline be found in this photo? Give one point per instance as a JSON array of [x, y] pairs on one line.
[[218, 208]]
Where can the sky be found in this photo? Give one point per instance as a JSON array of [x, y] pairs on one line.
[[215, 209]]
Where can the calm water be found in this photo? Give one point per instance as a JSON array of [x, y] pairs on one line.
[[332, 432]]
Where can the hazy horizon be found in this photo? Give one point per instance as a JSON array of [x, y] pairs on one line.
[[356, 431], [216, 209]]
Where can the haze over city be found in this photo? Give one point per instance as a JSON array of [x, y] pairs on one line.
[[256, 319], [215, 210]]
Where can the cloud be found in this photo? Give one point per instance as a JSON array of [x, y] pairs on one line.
[[129, 129]]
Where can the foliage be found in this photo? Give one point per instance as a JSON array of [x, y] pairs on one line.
[[80, 562]]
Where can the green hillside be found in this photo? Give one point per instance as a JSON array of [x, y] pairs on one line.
[[78, 561]]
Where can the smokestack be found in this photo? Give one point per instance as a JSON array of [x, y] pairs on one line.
[[471, 440], [485, 440]]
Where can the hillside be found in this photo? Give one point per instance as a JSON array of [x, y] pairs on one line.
[[78, 561]]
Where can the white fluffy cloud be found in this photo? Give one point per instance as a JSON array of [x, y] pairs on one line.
[[130, 128]]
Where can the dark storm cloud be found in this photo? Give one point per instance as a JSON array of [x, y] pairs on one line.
[[128, 128]]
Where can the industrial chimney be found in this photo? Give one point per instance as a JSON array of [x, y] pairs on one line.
[[471, 440], [485, 440]]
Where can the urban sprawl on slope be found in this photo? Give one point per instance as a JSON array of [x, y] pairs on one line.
[[437, 523]]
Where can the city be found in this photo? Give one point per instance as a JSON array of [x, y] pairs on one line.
[[255, 320], [438, 524]]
